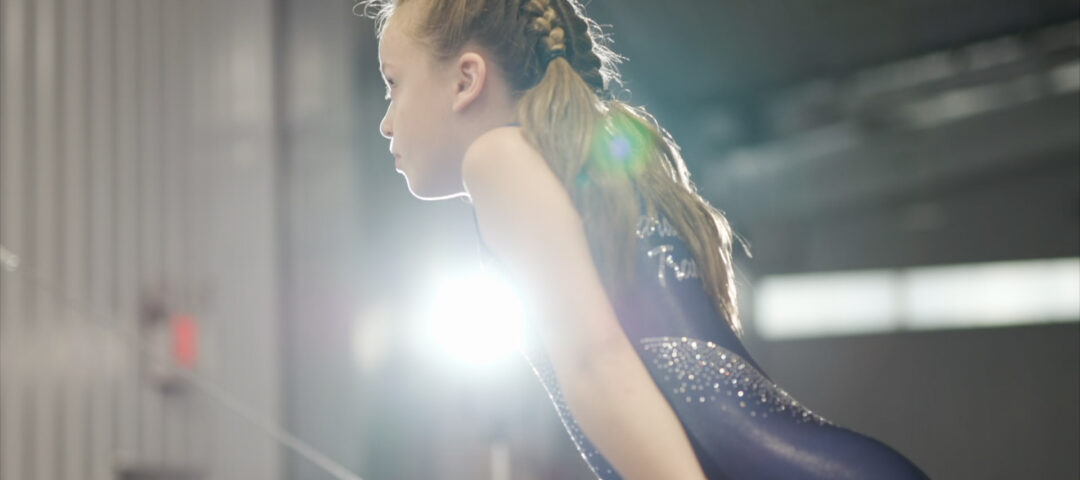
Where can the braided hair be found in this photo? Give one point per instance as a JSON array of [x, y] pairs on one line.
[[610, 157], [547, 25]]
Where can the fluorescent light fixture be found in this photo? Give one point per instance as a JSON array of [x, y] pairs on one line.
[[988, 294], [826, 303], [948, 296]]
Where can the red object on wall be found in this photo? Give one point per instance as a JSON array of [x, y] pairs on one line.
[[185, 340]]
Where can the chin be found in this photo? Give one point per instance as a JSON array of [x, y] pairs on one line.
[[444, 197], [433, 192], [438, 196]]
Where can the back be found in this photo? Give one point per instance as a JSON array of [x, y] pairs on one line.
[[740, 423]]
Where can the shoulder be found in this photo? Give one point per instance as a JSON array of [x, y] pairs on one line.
[[529, 223], [499, 156], [512, 187]]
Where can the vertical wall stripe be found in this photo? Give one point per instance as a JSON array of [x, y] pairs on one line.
[[14, 364], [42, 213], [148, 217], [101, 258], [73, 323], [126, 406], [202, 99], [172, 165]]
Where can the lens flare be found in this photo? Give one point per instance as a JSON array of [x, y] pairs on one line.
[[476, 319], [622, 147]]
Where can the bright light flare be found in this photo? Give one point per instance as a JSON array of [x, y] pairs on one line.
[[476, 319], [969, 295]]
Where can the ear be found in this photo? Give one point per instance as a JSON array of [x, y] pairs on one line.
[[470, 73]]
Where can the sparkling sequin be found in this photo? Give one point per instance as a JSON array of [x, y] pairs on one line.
[[648, 225], [693, 373], [722, 372], [663, 254], [599, 465]]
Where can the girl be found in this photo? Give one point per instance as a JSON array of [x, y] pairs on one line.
[[588, 208]]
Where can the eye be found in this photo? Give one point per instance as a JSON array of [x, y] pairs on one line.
[[389, 88]]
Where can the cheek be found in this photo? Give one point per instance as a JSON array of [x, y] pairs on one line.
[[410, 114], [425, 124]]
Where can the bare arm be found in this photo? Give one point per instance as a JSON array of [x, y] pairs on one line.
[[528, 220]]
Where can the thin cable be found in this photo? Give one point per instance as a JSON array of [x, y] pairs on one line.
[[211, 390]]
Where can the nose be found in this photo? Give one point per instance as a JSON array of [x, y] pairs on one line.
[[386, 126]]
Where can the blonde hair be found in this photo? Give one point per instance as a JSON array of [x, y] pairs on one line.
[[603, 150]]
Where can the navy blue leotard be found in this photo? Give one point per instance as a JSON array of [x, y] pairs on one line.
[[741, 424]]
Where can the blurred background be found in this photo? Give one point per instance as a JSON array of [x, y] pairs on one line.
[[210, 269]]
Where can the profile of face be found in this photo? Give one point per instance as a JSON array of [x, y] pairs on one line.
[[416, 118], [421, 121], [438, 104]]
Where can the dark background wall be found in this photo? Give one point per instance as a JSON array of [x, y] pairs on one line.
[[987, 403], [729, 81]]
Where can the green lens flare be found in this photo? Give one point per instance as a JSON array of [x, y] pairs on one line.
[[623, 147]]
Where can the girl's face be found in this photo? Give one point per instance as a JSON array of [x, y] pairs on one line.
[[419, 121]]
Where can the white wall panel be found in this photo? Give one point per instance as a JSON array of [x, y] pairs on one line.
[[14, 172], [124, 237], [72, 322], [105, 360], [42, 251], [136, 161]]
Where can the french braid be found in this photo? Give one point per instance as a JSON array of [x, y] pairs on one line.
[[547, 24], [563, 32]]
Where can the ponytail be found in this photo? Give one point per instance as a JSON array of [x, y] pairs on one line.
[[613, 159]]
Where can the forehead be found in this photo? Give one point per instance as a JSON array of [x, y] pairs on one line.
[[397, 45]]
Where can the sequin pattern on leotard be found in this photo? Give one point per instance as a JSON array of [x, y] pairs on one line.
[[596, 462], [701, 371], [739, 422]]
